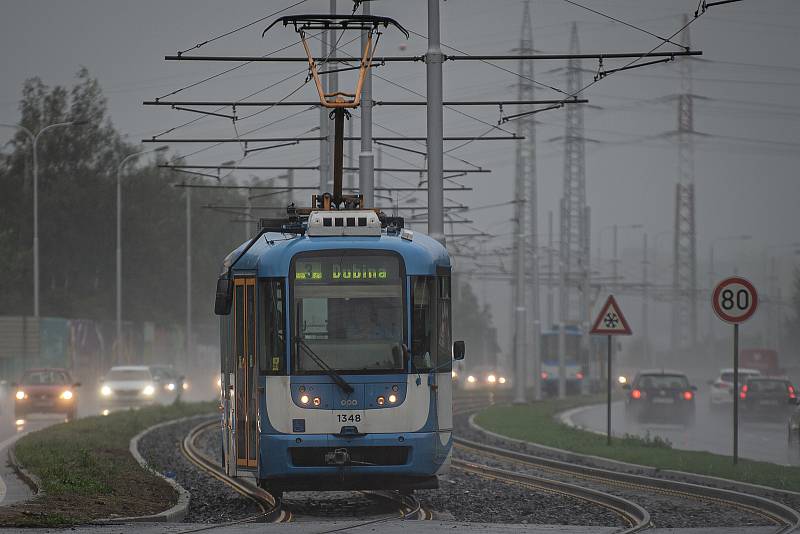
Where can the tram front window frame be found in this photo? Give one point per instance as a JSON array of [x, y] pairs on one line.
[[355, 324]]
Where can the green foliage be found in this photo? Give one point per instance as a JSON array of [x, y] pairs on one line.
[[473, 323], [77, 218], [536, 423]]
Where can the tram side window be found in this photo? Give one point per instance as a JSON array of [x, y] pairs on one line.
[[272, 356], [423, 349], [444, 360]]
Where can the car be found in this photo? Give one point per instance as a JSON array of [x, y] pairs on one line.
[[660, 396], [550, 374], [128, 386], [170, 384], [721, 390], [767, 398], [485, 377], [45, 390]]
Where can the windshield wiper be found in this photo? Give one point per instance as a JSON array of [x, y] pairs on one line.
[[341, 382]]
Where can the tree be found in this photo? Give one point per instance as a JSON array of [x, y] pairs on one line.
[[473, 323]]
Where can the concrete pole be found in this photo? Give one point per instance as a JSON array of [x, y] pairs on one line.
[[333, 87], [645, 298], [586, 301], [248, 215], [550, 272], [324, 130], [366, 159], [615, 262], [350, 163], [433, 61], [562, 308], [120, 167], [519, 315], [710, 289], [187, 362]]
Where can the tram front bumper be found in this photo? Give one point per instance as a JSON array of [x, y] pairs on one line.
[[369, 461]]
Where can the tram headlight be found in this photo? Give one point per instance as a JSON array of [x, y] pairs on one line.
[[317, 401], [304, 399], [491, 379], [502, 380], [105, 391], [471, 379], [20, 395], [392, 398], [380, 400], [67, 395], [148, 390]]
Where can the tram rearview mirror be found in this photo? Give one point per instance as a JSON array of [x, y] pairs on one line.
[[459, 349], [224, 298]]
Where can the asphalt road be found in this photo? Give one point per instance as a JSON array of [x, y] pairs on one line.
[[712, 431]]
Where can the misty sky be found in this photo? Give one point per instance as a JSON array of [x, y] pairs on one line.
[[748, 76]]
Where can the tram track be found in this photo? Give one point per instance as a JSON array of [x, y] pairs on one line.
[[273, 509], [785, 519]]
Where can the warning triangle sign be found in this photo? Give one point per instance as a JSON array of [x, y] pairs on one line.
[[610, 321]]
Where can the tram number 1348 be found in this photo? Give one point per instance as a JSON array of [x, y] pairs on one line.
[[348, 418]]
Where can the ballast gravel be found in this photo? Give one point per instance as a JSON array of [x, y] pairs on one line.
[[665, 511]]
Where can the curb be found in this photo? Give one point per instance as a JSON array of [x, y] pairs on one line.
[[177, 512], [606, 463], [31, 480]]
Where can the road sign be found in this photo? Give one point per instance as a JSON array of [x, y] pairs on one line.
[[610, 321], [735, 300]]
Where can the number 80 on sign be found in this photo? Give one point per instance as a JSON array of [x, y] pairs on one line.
[[735, 300]]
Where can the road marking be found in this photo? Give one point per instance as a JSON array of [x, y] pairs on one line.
[[3, 446]]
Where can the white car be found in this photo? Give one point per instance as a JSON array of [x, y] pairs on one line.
[[722, 387], [128, 386]]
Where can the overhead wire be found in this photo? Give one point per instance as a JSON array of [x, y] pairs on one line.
[[248, 25]]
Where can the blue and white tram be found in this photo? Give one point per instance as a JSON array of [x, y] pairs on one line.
[[336, 356]]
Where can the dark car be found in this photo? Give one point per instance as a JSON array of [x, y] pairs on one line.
[[170, 384], [660, 396], [771, 398], [46, 391]]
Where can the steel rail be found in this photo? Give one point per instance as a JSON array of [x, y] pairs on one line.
[[637, 517], [269, 505], [787, 519], [409, 506]]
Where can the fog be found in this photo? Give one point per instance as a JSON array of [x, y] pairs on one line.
[[745, 162]]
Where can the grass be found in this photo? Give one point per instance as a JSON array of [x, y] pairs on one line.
[[87, 472], [536, 423]]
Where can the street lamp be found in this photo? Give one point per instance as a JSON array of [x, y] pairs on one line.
[[119, 240], [34, 138]]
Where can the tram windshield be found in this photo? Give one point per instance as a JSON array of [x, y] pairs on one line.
[[348, 312]]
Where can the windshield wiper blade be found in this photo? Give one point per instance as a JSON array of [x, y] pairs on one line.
[[341, 382]]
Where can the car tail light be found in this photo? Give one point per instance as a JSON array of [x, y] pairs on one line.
[[744, 388], [687, 395], [636, 394], [544, 375], [742, 395], [579, 375]]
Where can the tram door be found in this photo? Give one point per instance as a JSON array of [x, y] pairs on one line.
[[246, 401]]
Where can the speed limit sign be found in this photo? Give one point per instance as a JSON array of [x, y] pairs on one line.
[[735, 300]]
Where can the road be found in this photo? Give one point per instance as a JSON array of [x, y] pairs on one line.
[[713, 432]]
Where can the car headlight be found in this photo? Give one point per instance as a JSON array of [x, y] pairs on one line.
[[20, 395], [67, 395], [622, 379], [148, 390], [502, 380], [171, 387], [185, 386], [471, 379], [491, 379], [105, 391]]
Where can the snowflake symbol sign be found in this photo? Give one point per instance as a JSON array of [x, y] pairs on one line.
[[611, 320]]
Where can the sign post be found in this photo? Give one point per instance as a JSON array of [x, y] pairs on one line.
[[735, 300], [610, 322]]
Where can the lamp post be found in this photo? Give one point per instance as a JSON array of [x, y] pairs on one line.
[[34, 138], [121, 165]]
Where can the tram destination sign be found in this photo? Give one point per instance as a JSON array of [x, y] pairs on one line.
[[349, 272]]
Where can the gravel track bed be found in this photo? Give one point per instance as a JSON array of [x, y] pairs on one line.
[[666, 511], [461, 497], [211, 501]]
